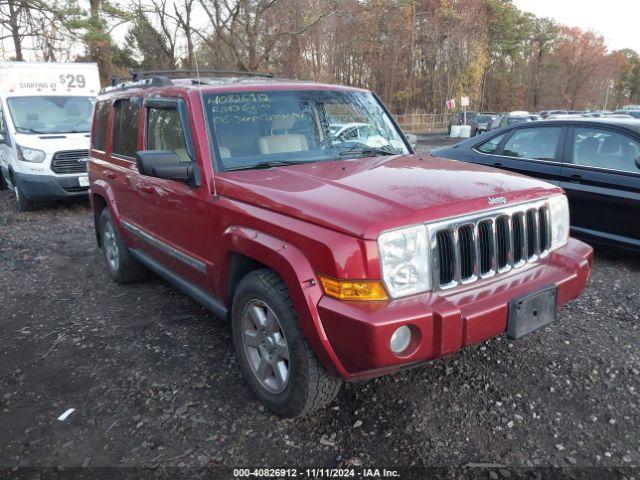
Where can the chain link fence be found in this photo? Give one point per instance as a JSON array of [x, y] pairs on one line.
[[423, 122]]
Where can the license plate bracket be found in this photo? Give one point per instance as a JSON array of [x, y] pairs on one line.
[[532, 311]]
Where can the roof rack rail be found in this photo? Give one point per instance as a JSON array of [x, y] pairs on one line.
[[162, 78], [187, 73], [120, 84]]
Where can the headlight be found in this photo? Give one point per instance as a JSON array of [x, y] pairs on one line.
[[404, 259], [30, 154], [559, 211]]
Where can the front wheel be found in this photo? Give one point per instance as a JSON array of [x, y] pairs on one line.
[[277, 362], [23, 204]]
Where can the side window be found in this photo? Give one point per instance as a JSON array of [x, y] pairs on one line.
[[595, 147], [165, 132], [125, 127], [99, 129], [491, 145], [537, 143]]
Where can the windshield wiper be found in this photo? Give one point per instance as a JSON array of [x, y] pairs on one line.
[[30, 130], [270, 164], [367, 151]]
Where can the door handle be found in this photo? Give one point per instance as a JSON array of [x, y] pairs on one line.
[[109, 174], [575, 178], [146, 188], [497, 164]]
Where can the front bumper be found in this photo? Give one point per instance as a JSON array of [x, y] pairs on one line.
[[444, 322], [49, 187]]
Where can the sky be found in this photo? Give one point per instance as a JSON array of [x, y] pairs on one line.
[[618, 21]]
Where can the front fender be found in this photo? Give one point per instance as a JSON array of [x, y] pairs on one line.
[[297, 273]]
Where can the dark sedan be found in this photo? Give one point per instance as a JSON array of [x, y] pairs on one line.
[[596, 161]]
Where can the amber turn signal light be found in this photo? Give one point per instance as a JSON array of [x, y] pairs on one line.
[[353, 289]]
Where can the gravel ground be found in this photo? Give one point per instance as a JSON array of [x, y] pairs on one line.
[[154, 381]]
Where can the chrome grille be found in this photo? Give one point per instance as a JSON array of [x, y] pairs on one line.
[[71, 161], [480, 246]]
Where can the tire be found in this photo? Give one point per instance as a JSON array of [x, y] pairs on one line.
[[3, 182], [23, 204], [308, 386], [122, 267]]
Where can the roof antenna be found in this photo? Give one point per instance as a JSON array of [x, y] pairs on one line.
[[206, 125]]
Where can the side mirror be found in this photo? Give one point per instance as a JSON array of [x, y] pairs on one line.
[[3, 137], [413, 140], [638, 162], [164, 164]]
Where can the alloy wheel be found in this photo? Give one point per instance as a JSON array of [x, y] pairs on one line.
[[111, 247], [265, 346]]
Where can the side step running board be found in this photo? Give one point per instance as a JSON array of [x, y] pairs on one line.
[[186, 287]]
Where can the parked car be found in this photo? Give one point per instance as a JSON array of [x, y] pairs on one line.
[[333, 260], [355, 131], [596, 161], [510, 119], [629, 112], [459, 117], [546, 113], [620, 115], [481, 122], [45, 115], [567, 116]]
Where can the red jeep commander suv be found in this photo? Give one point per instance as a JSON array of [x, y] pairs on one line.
[[300, 212]]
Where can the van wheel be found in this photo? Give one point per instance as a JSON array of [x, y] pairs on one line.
[[23, 204], [277, 362], [122, 267]]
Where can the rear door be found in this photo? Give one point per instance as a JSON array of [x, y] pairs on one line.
[[602, 181], [533, 151], [120, 147]]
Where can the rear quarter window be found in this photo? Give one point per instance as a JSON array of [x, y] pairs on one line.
[[99, 130]]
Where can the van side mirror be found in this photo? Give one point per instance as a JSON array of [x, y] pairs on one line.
[[638, 162], [164, 164]]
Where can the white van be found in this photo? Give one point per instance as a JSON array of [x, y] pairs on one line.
[[45, 118]]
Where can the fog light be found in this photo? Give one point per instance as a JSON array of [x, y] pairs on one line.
[[400, 339]]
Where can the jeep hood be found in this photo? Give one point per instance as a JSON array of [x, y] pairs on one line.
[[366, 196]]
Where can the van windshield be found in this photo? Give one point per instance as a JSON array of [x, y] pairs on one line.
[[51, 114], [270, 128]]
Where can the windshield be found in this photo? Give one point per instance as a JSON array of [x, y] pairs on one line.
[[257, 128], [484, 118], [52, 114]]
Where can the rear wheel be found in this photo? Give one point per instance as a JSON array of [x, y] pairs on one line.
[[277, 362], [122, 267]]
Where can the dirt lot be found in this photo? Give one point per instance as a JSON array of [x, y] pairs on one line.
[[154, 381]]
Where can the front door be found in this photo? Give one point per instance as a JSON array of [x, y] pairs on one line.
[[602, 181], [534, 151], [176, 215], [4, 147]]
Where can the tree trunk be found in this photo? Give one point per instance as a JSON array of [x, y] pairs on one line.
[[14, 12], [98, 43]]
